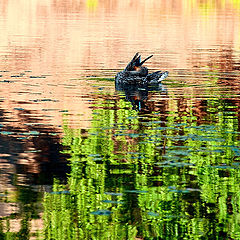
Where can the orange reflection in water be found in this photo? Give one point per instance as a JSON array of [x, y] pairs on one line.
[[68, 39], [69, 36]]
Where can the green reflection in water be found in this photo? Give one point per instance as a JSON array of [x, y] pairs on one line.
[[17, 225], [155, 176]]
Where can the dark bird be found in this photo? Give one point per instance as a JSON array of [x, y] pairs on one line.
[[135, 73]]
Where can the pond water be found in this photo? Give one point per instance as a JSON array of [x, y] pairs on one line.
[[81, 159]]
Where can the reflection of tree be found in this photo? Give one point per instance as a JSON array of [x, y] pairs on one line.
[[216, 59], [34, 143], [32, 155], [161, 177]]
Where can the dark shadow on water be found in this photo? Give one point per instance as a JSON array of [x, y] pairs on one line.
[[32, 150], [30, 158]]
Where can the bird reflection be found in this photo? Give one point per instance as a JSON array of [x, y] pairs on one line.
[[139, 95]]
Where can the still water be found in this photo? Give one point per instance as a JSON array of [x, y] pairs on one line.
[[80, 159]]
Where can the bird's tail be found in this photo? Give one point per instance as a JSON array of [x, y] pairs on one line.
[[141, 63], [136, 61]]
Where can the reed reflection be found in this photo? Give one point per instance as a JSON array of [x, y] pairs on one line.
[[139, 175]]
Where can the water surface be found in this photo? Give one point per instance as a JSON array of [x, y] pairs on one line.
[[81, 159]]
